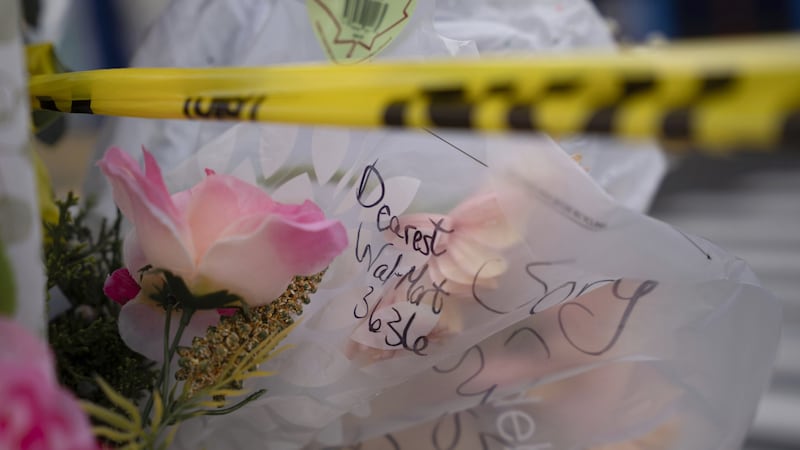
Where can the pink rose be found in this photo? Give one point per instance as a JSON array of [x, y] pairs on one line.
[[222, 234], [35, 412]]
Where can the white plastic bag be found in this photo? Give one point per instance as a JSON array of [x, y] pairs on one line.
[[522, 25]]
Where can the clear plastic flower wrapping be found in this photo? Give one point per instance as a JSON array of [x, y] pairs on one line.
[[495, 293]]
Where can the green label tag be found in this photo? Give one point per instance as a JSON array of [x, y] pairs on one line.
[[352, 31]]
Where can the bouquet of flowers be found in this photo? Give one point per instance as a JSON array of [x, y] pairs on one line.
[[284, 287]]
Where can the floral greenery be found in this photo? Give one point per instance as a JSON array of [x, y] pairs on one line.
[[85, 338], [85, 348], [97, 366], [131, 429], [76, 260]]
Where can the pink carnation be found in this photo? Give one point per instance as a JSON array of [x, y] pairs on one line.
[[35, 412]]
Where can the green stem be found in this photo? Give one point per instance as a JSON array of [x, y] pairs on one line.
[[179, 416], [165, 365], [232, 408], [186, 317]]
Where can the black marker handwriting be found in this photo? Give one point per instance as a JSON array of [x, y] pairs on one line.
[[383, 272], [547, 292], [392, 441], [374, 325], [534, 333], [475, 291], [643, 289], [437, 434], [481, 365], [420, 343], [416, 291], [421, 241], [369, 171], [366, 304]]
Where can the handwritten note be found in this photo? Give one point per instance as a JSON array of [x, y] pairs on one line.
[[420, 267]]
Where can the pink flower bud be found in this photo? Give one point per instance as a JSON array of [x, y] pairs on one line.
[[121, 287]]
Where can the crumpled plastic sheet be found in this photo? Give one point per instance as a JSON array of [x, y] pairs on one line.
[[495, 293]]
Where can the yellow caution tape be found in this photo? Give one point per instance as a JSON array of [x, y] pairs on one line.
[[715, 95]]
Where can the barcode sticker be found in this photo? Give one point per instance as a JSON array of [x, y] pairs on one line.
[[364, 14], [351, 31]]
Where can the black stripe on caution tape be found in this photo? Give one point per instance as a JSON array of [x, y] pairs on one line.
[[75, 106], [48, 103], [502, 88], [452, 107], [717, 83], [562, 86], [81, 106], [602, 120], [395, 114], [635, 86], [521, 117], [677, 124], [451, 115], [790, 132]]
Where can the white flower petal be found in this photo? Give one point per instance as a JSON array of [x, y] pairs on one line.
[[277, 142], [328, 148], [141, 327], [296, 190]]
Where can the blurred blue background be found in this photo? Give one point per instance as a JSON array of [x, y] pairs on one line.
[[641, 19]]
